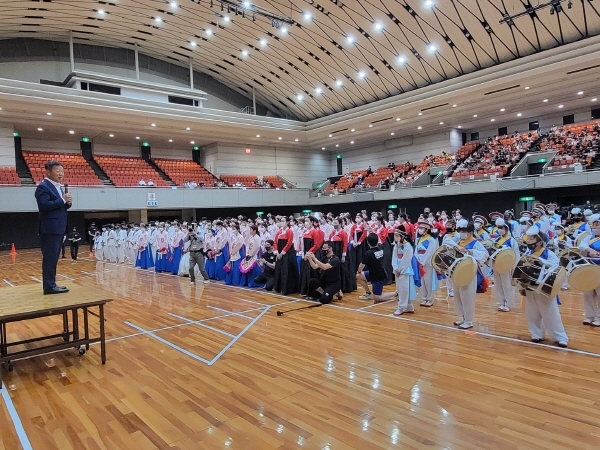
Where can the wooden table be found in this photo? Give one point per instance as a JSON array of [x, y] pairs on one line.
[[28, 302]]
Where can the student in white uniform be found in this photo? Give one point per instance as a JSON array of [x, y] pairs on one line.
[[590, 246], [402, 256], [450, 239], [121, 240], [99, 246], [503, 289], [110, 251], [425, 247], [542, 312], [104, 241], [464, 297]]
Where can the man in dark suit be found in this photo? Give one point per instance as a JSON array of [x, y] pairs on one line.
[[53, 204]]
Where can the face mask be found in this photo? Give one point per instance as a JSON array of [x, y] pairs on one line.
[[524, 228], [550, 212], [596, 231], [532, 246], [464, 236], [501, 231], [477, 225], [267, 248], [337, 227], [560, 232], [444, 216], [506, 217], [420, 231]]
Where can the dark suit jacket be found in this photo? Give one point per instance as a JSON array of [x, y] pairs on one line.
[[53, 209]]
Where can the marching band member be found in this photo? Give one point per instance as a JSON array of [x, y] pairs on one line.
[[480, 222], [425, 247], [515, 228], [402, 256], [579, 225], [286, 273], [503, 288], [144, 258], [590, 246], [464, 297], [494, 229], [176, 246], [551, 214], [560, 241], [542, 313], [209, 247], [538, 213], [310, 244], [451, 238]]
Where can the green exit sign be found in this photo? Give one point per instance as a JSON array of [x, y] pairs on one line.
[[393, 206], [526, 199], [306, 211], [542, 160], [16, 134], [259, 213], [85, 139], [338, 156], [145, 144], [196, 148]]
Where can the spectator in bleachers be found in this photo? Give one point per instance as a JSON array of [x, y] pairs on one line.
[[150, 182], [142, 182]]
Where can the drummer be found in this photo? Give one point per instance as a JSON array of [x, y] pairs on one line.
[[503, 288], [464, 296], [542, 313], [578, 225], [551, 214], [424, 249], [494, 229], [480, 222], [590, 246], [451, 238], [509, 218]]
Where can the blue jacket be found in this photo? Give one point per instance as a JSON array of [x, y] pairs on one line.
[[53, 209]]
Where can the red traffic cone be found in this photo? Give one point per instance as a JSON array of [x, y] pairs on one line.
[[13, 250]]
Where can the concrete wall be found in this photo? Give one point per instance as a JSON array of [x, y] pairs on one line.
[[7, 145]]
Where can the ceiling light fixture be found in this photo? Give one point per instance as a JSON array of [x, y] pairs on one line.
[[432, 48], [322, 148], [349, 39], [337, 145], [193, 43], [101, 11], [318, 91], [111, 135], [545, 100], [330, 135], [561, 106], [280, 138], [49, 113], [401, 59], [351, 142], [398, 119], [474, 115], [209, 31], [352, 130], [307, 16], [428, 3], [40, 129], [441, 123], [71, 132], [299, 97], [174, 4], [420, 114], [244, 52], [192, 142], [170, 140], [502, 109], [580, 93], [519, 115], [370, 125], [492, 120], [296, 140], [227, 19], [526, 87], [378, 26], [258, 135], [158, 19], [284, 30], [460, 126], [392, 133], [594, 99], [137, 137], [454, 106], [361, 74], [263, 42], [419, 127], [153, 125], [338, 83]]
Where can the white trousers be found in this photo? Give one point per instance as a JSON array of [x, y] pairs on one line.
[[121, 253], [464, 300], [542, 314], [449, 284], [131, 255], [110, 253], [99, 254], [426, 290], [591, 304], [403, 290], [504, 291]]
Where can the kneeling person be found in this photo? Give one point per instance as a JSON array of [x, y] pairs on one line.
[[373, 260], [329, 282], [267, 261]]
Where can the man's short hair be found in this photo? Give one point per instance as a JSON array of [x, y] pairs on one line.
[[270, 242], [372, 240], [329, 243], [52, 164]]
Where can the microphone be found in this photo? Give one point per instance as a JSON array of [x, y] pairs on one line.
[[66, 188]]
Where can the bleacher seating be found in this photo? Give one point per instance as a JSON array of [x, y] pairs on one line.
[[274, 181], [8, 175], [182, 171], [77, 170], [128, 171], [577, 143], [244, 180]]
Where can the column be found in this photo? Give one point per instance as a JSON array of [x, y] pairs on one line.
[[7, 146]]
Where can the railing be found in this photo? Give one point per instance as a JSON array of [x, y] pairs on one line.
[[247, 110]]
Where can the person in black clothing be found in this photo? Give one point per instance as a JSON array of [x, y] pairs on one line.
[[329, 282], [91, 234], [268, 262], [373, 260], [74, 239]]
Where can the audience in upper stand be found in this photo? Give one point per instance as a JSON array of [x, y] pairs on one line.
[[142, 182]]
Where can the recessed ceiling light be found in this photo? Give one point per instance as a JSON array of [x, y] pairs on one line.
[[307, 16], [502, 109], [337, 145], [561, 106], [492, 120], [188, 128], [519, 115], [153, 125], [244, 52], [352, 130], [474, 115], [401, 59], [111, 135], [280, 138], [284, 30], [441, 123], [296, 140], [193, 43], [429, 3], [420, 114], [361, 74], [40, 129], [378, 26], [246, 4], [392, 133], [338, 83], [100, 11], [432, 48], [349, 39], [398, 119], [580, 93], [174, 4], [299, 97], [370, 125], [352, 142], [209, 31], [158, 19], [460, 126], [71, 132], [258, 135], [49, 113], [594, 100], [526, 87], [419, 127], [170, 140], [318, 91], [263, 42], [137, 137], [322, 148], [545, 100], [454, 106], [331, 135], [192, 142]]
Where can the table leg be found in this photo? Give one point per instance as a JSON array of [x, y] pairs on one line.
[[102, 336], [3, 348], [86, 328], [65, 327], [75, 315]]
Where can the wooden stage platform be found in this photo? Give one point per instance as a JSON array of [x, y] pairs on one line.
[[211, 367]]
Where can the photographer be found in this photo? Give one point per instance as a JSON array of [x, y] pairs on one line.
[[268, 262], [196, 250], [329, 282]]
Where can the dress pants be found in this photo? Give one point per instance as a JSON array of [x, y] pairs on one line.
[[51, 245], [464, 300], [197, 258], [504, 291], [267, 279], [591, 304], [329, 290], [542, 314], [74, 250]]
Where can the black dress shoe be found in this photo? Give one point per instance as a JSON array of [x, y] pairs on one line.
[[56, 290]]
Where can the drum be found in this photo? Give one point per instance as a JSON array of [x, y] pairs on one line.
[[582, 274], [532, 274], [502, 260], [452, 263], [248, 264], [580, 237]]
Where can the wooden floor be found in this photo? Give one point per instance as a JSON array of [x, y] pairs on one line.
[[344, 376]]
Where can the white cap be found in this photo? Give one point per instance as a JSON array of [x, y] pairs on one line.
[[500, 222], [478, 219], [576, 211], [587, 212], [524, 219], [533, 231], [594, 218], [462, 223]]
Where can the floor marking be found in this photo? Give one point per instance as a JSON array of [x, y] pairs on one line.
[[9, 283], [36, 279], [12, 412], [250, 301], [64, 276], [232, 312], [375, 304], [190, 321], [89, 273]]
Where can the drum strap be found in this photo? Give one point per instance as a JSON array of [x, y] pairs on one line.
[[500, 242], [591, 241]]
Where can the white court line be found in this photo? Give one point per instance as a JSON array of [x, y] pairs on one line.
[[12, 412], [9, 283], [232, 312], [376, 304], [36, 279], [250, 301], [190, 321], [89, 273], [64, 276]]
